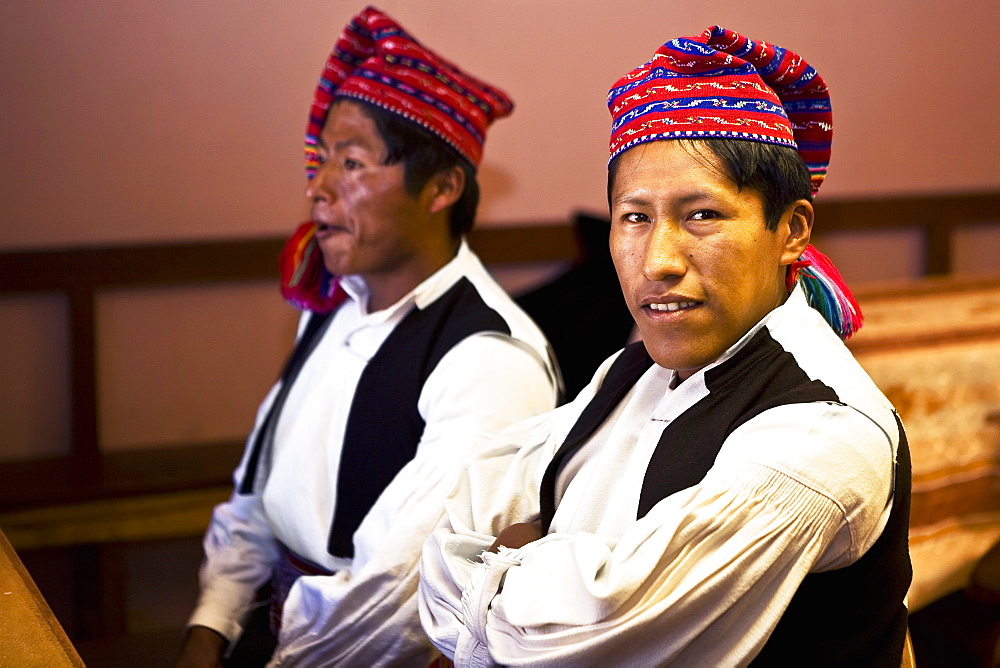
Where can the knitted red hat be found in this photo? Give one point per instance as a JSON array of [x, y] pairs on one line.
[[722, 84], [376, 61]]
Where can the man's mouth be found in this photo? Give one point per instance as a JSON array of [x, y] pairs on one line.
[[325, 229], [671, 306]]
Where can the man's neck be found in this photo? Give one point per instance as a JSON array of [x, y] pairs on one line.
[[385, 289]]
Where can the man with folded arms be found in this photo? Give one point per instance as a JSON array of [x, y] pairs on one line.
[[732, 489]]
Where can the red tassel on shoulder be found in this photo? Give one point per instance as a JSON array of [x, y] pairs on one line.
[[305, 281]]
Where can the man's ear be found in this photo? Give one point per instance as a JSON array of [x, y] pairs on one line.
[[797, 224], [446, 187]]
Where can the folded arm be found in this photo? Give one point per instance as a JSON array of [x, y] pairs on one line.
[[704, 577]]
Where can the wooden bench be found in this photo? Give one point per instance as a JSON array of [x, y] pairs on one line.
[[933, 348]]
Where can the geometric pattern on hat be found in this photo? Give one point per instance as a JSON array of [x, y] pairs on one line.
[[377, 61], [722, 84]]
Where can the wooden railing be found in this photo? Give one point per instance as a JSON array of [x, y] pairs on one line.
[[80, 274]]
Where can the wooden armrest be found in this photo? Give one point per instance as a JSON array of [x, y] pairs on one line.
[[29, 632]]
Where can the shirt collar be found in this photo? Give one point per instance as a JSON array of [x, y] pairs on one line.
[[426, 292]]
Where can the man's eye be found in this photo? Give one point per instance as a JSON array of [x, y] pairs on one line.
[[704, 214], [635, 218], [351, 164]]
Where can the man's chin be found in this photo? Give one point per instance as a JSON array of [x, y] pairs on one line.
[[336, 267], [665, 355], [335, 259]]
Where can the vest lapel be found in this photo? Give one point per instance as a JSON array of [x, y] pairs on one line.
[[760, 376], [384, 426], [265, 435]]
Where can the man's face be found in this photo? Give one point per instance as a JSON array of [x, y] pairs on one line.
[[696, 262], [368, 223]]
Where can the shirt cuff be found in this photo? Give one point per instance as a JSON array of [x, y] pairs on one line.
[[213, 612], [476, 598]]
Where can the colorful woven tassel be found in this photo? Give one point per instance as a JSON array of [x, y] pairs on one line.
[[826, 291], [305, 282]]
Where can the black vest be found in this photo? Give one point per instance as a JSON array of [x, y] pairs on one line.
[[846, 617], [384, 426]]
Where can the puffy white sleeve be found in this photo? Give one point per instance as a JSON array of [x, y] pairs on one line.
[[367, 615], [499, 487], [240, 552], [702, 579]]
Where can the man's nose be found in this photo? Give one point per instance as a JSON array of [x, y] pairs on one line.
[[317, 187], [664, 253]]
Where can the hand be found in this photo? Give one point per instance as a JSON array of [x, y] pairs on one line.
[[202, 648], [517, 535]]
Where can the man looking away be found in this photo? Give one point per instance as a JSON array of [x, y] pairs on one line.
[[409, 357]]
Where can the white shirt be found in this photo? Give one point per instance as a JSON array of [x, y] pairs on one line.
[[366, 612], [797, 489]]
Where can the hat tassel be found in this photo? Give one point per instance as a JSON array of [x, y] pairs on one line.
[[826, 291]]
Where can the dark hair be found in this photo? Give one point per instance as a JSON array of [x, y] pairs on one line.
[[777, 173], [423, 155]]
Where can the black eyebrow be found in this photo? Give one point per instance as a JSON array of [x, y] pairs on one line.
[[345, 143], [643, 200], [342, 144], [634, 200]]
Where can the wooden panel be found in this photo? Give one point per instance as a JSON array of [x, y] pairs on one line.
[[534, 243], [84, 446], [58, 270], [940, 210]]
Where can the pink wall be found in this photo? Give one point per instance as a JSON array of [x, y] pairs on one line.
[[137, 121], [128, 122]]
